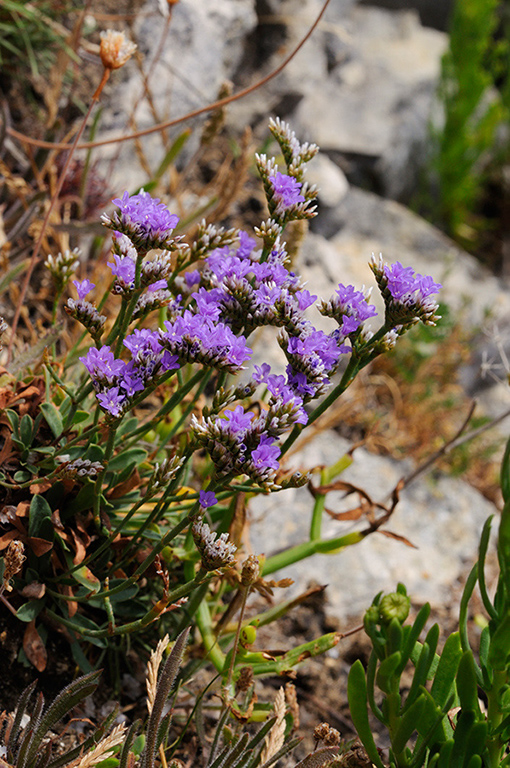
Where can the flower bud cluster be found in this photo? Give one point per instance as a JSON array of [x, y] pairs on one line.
[[150, 301], [294, 153], [163, 473], [238, 445], [62, 266], [215, 551], [87, 315], [156, 270], [287, 198], [81, 467]]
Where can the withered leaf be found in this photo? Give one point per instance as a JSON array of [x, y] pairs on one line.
[[34, 591], [34, 647], [6, 539], [398, 537], [22, 509], [39, 546], [40, 486]]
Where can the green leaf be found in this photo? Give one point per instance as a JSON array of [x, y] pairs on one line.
[[465, 722], [499, 649], [13, 419], [413, 635], [83, 500], [26, 430], [124, 459], [433, 724], [407, 725], [80, 416], [53, 418], [444, 679], [386, 671], [445, 754], [21, 476], [39, 520], [505, 473], [30, 610], [85, 577], [467, 683], [357, 697]]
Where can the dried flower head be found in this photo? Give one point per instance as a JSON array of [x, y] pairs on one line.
[[321, 731], [114, 49], [13, 562], [250, 571]]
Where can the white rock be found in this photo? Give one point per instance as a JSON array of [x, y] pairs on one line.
[[442, 517], [329, 178]]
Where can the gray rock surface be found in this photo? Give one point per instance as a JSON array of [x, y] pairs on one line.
[[443, 517], [203, 48], [376, 103], [364, 223]]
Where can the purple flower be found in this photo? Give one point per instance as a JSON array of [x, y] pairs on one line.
[[246, 245], [192, 278], [159, 285], [265, 456], [102, 364], [131, 384], [286, 191], [207, 499], [83, 288], [267, 295], [144, 219], [261, 373], [123, 269], [304, 299], [112, 400], [238, 421], [142, 340]]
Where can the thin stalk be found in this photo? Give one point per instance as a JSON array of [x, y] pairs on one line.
[[35, 255], [99, 480]]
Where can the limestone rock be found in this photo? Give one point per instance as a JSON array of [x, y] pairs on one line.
[[443, 517]]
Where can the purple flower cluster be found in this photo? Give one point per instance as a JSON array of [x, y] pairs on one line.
[[407, 295], [201, 337], [286, 191], [313, 357], [285, 405], [239, 444], [144, 219], [246, 293], [350, 309], [403, 283], [116, 381]]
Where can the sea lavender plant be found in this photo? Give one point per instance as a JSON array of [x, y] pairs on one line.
[[134, 465]]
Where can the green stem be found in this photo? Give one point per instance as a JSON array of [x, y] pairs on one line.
[[309, 548], [494, 716], [318, 511], [211, 646], [99, 480]]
